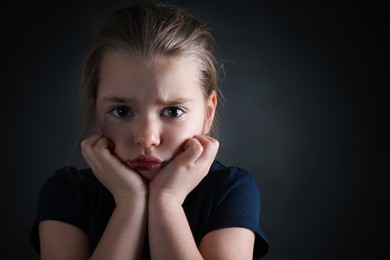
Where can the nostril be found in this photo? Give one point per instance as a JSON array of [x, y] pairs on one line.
[[148, 141], [147, 132]]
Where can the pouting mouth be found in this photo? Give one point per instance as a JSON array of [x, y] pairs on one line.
[[144, 165]]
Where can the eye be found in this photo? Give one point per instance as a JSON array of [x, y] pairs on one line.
[[122, 112], [172, 112]]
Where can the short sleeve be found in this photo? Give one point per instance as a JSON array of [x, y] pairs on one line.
[[59, 200], [237, 204]]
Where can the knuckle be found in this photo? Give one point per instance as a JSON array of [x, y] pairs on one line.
[[84, 144], [216, 144]]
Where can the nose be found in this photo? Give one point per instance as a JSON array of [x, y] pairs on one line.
[[147, 133]]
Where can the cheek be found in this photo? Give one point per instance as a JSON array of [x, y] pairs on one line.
[[177, 135], [107, 129], [174, 140], [112, 132], [117, 134]]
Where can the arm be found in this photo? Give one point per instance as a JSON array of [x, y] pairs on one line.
[[174, 238], [228, 243], [124, 235], [59, 240], [122, 239], [170, 235]]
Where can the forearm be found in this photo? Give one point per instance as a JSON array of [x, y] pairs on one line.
[[124, 235], [170, 236]]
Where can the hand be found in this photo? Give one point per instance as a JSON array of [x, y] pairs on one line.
[[118, 178], [181, 175]]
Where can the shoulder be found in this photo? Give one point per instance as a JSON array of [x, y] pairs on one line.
[[66, 187], [230, 172], [231, 186], [223, 184], [70, 175], [233, 179], [70, 188], [73, 196], [67, 180], [60, 198], [68, 194], [236, 202]]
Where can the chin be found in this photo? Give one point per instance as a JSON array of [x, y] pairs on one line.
[[148, 175]]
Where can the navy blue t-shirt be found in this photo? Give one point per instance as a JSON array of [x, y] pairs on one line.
[[226, 197]]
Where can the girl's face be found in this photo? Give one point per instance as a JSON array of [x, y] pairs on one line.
[[149, 110]]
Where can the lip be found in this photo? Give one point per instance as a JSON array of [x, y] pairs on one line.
[[145, 163]]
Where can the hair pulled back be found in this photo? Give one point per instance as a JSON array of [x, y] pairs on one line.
[[149, 31]]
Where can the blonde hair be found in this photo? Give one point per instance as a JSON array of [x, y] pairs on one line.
[[149, 31]]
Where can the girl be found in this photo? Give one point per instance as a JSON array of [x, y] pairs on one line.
[[154, 189]]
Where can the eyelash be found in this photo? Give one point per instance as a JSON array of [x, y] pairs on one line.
[[127, 109], [177, 109], [164, 112]]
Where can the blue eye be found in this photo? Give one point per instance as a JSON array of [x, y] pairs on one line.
[[122, 112], [172, 112]]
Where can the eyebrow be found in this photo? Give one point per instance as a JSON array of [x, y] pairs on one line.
[[116, 99], [178, 101]]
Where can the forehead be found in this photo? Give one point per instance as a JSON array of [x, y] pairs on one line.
[[127, 75]]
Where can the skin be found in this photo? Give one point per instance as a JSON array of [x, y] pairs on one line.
[[157, 109]]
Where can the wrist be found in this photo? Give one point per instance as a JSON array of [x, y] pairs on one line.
[[165, 199], [132, 196]]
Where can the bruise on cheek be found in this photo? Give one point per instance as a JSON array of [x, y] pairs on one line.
[[103, 125], [108, 131], [111, 128]]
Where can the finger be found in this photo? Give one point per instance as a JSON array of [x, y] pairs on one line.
[[88, 150], [206, 140], [102, 149], [189, 143], [101, 144], [210, 147], [90, 141], [192, 149]]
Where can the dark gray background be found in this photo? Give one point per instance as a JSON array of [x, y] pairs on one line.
[[304, 112]]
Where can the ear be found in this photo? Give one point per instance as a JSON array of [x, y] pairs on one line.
[[211, 107]]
